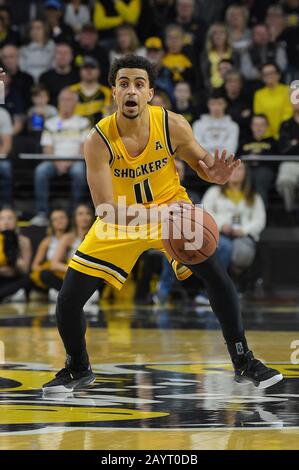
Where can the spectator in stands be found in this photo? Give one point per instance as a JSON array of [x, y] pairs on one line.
[[109, 15], [62, 75], [20, 81], [76, 15], [161, 99], [67, 246], [262, 173], [236, 19], [175, 59], [8, 35], [261, 51], [216, 129], [93, 97], [224, 66], [155, 16], [14, 105], [273, 99], [183, 103], [63, 136], [155, 54], [291, 11], [288, 37], [238, 101], [41, 265], [88, 45], [241, 217], [59, 31], [41, 110], [218, 47], [5, 164], [288, 173], [15, 255], [126, 43], [37, 56], [194, 27]]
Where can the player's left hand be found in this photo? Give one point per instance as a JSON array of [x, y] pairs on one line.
[[222, 169]]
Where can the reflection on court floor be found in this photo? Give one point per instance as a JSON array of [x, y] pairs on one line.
[[163, 382]]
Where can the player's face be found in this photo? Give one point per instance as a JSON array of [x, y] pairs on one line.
[[132, 92]]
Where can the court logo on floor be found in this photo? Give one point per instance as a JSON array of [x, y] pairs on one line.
[[154, 396]]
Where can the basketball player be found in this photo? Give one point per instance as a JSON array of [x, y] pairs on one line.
[[131, 153]]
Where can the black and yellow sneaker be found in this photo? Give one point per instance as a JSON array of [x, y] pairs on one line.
[[253, 370], [68, 381]]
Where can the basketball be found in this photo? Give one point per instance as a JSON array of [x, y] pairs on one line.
[[200, 245]]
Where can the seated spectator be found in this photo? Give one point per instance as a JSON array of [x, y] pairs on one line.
[[41, 265], [93, 97], [8, 34], [59, 31], [216, 129], [261, 51], [160, 98], [88, 45], [41, 111], [183, 102], [126, 43], [155, 54], [14, 105], [194, 27], [273, 99], [291, 11], [288, 172], [62, 74], [175, 59], [218, 47], [261, 172], [63, 135], [287, 36], [241, 217], [236, 19], [20, 81], [238, 100], [76, 15], [154, 18], [224, 66], [67, 246], [37, 56], [5, 164], [15, 255], [109, 15]]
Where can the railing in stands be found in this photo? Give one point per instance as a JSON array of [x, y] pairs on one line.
[[245, 158]]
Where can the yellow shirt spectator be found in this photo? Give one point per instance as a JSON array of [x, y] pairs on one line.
[[274, 102]]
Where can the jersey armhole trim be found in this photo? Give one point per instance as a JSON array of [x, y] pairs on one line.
[[112, 157], [166, 131]]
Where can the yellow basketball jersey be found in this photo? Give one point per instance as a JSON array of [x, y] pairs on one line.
[[151, 177]]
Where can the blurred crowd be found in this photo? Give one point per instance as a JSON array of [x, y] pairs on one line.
[[226, 66]]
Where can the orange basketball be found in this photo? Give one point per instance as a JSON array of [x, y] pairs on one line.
[[200, 245]]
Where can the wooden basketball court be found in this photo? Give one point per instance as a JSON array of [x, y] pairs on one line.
[[164, 381]]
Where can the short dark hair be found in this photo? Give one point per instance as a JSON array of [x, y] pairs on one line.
[[216, 94], [261, 116], [132, 62], [271, 64]]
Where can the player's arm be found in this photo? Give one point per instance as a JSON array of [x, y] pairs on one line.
[[214, 169]]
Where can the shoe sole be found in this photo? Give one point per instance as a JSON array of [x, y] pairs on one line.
[[261, 385], [64, 389]]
